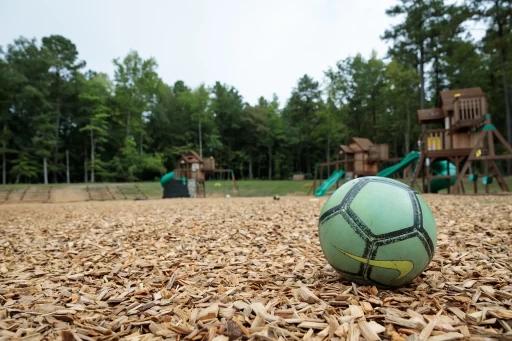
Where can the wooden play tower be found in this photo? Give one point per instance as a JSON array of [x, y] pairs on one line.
[[459, 133], [191, 166], [360, 157]]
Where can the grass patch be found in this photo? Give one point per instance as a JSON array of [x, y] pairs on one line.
[[219, 188]]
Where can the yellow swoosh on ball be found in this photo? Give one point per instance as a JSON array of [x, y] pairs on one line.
[[403, 266]]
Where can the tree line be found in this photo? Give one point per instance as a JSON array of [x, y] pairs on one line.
[[60, 122]]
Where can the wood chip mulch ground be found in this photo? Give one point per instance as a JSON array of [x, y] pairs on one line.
[[225, 269]]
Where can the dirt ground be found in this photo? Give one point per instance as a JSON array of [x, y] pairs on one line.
[[240, 268]]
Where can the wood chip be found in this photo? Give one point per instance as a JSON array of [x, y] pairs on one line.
[[367, 332], [425, 333], [313, 325], [208, 313], [307, 295], [377, 328], [446, 337], [252, 268]]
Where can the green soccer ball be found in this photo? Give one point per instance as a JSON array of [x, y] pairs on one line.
[[377, 231]]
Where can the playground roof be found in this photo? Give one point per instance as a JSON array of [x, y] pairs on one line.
[[346, 149], [190, 157], [362, 142], [448, 96]]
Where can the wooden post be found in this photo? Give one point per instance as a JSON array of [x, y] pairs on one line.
[[486, 170], [502, 140], [423, 187], [416, 172], [490, 142], [499, 177], [448, 171], [234, 183], [197, 182], [67, 167], [457, 168], [465, 168], [427, 168], [313, 188], [45, 166]]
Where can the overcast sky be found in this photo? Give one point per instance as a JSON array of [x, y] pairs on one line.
[[259, 46]]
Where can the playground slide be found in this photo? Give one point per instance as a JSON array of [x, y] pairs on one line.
[[439, 168], [166, 178], [442, 168], [320, 192], [412, 156]]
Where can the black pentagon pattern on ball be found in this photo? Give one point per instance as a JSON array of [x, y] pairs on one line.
[[373, 241]]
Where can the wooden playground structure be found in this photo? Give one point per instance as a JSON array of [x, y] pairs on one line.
[[460, 134], [457, 138], [192, 166], [360, 157]]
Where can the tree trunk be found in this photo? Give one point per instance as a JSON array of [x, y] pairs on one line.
[[508, 114], [408, 128], [4, 157], [422, 76], [57, 129], [436, 78], [86, 171], [68, 180], [328, 156], [229, 155], [140, 144], [250, 167], [269, 162], [92, 157], [395, 145], [45, 171], [4, 165], [374, 119]]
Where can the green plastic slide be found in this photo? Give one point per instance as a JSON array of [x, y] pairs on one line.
[[320, 191], [166, 178], [440, 168], [406, 161]]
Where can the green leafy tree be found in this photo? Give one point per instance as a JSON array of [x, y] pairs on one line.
[[94, 97], [357, 85], [6, 102], [497, 15], [27, 80], [399, 118], [300, 115], [330, 129], [136, 87], [62, 57], [227, 108], [411, 36], [24, 166]]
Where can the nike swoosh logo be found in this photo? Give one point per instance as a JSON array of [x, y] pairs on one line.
[[403, 266]]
